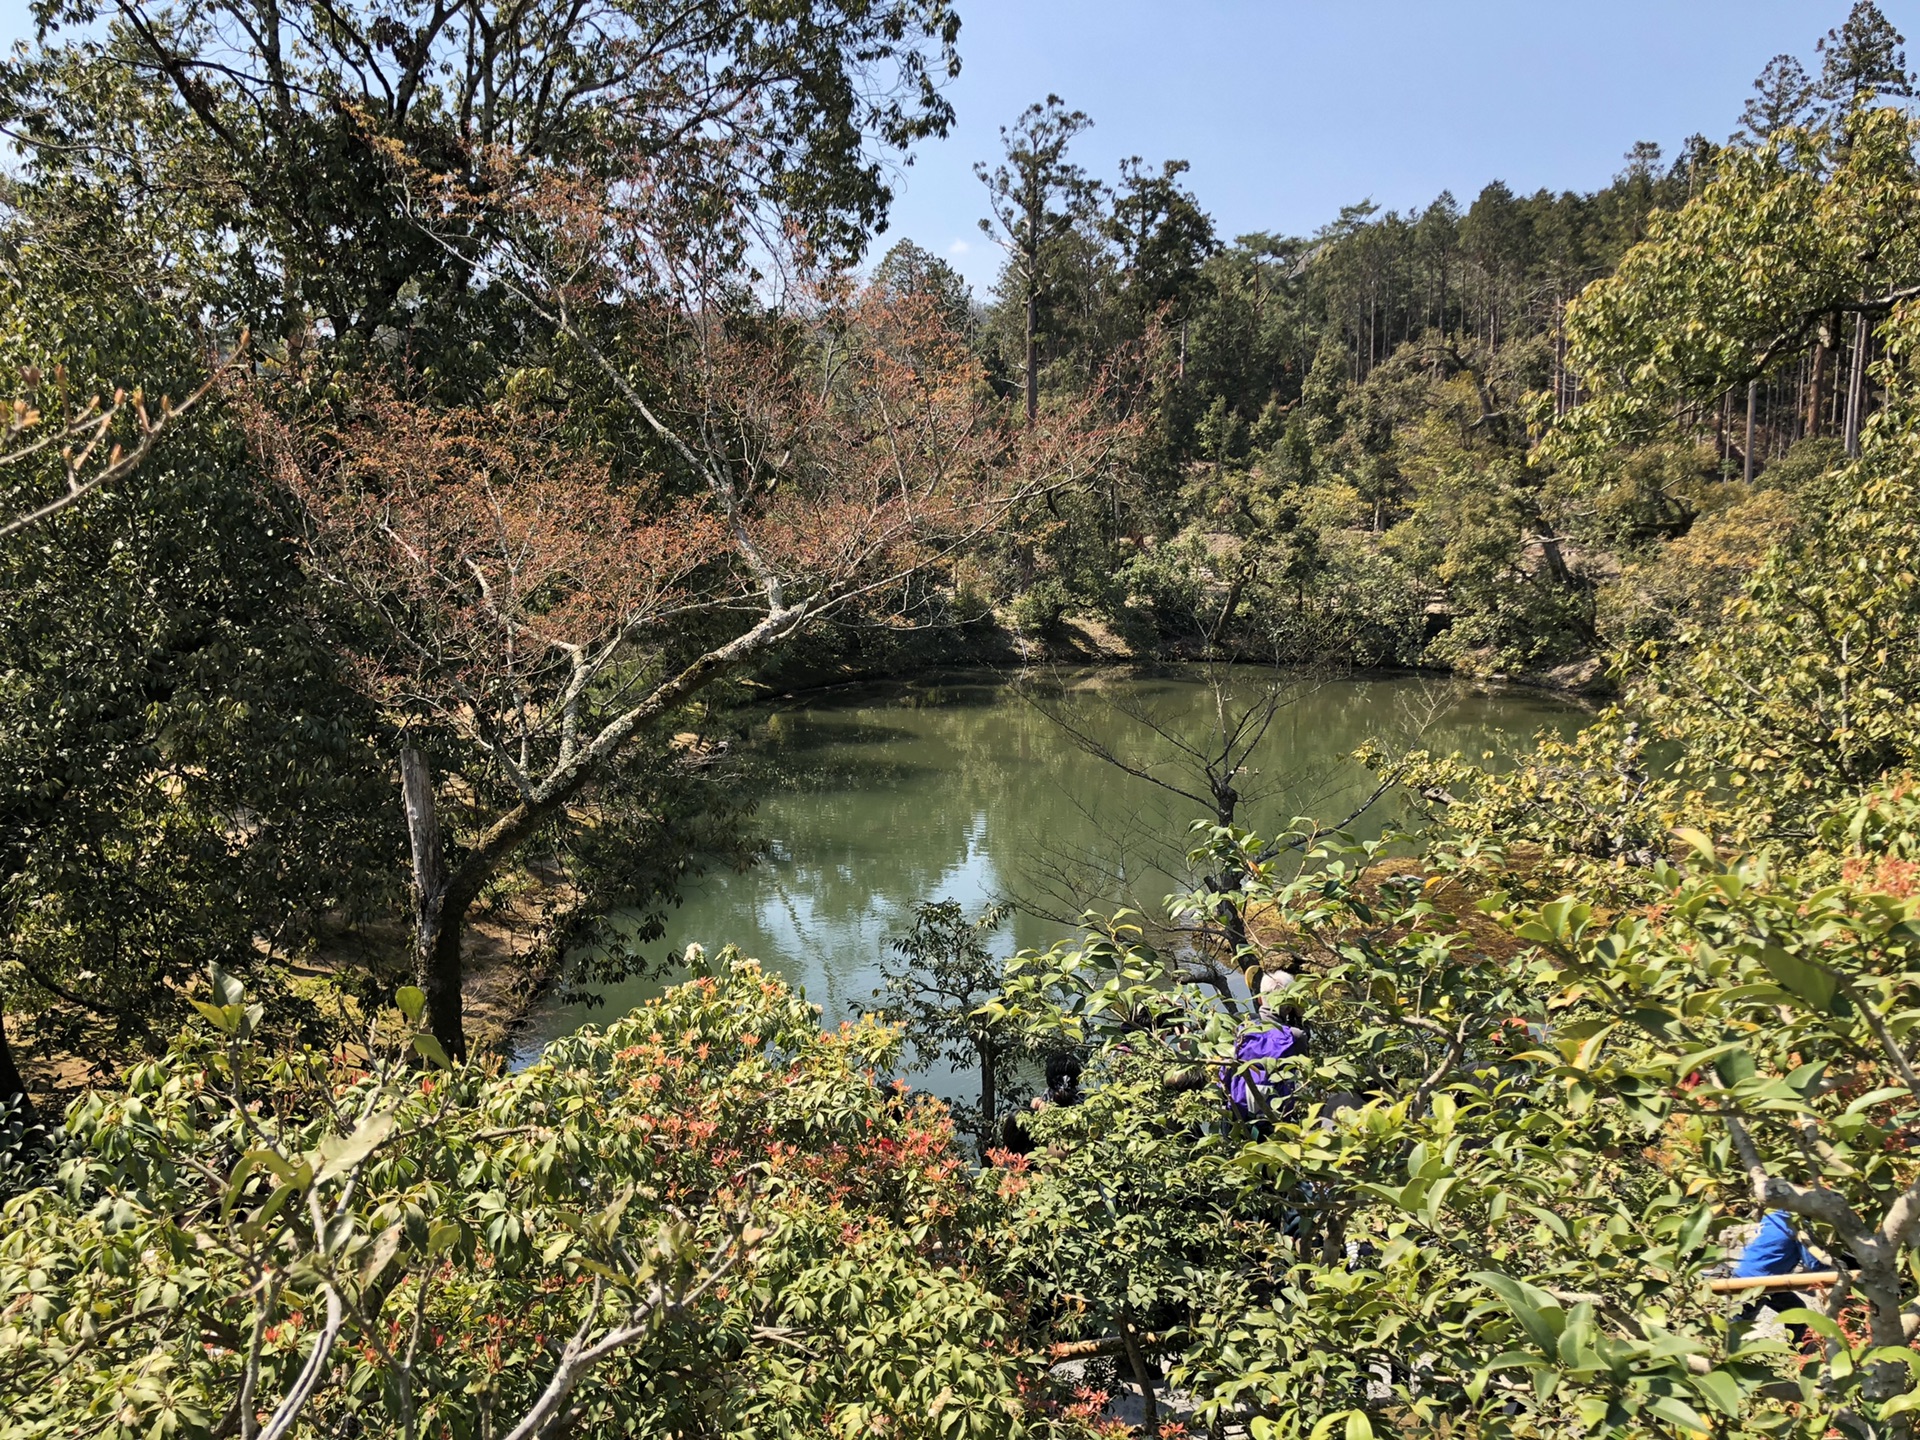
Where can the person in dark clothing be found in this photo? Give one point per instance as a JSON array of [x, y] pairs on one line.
[[1063, 1081], [1063, 1088], [1015, 1138]]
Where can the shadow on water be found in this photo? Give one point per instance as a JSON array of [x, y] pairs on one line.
[[881, 797], [800, 732], [846, 773]]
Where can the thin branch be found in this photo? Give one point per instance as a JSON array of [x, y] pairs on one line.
[[288, 1415], [579, 1357], [120, 463]]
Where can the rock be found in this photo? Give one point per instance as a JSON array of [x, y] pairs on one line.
[[1581, 677]]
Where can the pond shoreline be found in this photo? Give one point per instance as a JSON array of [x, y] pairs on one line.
[[1088, 643]]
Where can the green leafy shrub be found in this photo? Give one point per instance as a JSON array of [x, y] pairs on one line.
[[706, 1219], [1039, 609], [1517, 1137]]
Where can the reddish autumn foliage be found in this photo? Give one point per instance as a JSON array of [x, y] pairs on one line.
[[790, 463], [554, 581], [498, 552], [1883, 874]]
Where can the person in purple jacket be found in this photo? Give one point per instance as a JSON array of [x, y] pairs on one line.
[[1252, 1091]]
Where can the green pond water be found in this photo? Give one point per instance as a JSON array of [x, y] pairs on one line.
[[882, 797]]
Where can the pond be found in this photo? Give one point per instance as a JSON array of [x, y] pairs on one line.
[[975, 790]]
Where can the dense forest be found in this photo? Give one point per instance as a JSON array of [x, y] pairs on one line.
[[434, 422], [1335, 438]]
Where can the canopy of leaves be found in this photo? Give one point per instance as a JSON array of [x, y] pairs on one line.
[[188, 773], [792, 1233]]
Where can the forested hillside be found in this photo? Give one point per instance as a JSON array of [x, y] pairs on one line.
[[434, 423], [1318, 417], [1336, 436]]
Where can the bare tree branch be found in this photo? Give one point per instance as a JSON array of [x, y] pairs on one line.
[[81, 434]]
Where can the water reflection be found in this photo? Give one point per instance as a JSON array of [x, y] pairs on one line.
[[888, 796]]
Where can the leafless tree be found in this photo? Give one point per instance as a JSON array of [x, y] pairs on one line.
[[1217, 771]]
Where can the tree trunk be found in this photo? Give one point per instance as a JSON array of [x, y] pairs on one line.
[[989, 1101], [1033, 391], [1796, 387], [13, 1089], [1226, 805], [1209, 973], [443, 977], [441, 901], [1560, 357], [1227, 610], [1552, 558], [1857, 383], [436, 934], [1753, 391], [1817, 384], [1142, 1375]]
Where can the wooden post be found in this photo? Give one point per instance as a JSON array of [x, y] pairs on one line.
[[1105, 1345], [1810, 1280], [1856, 383], [1753, 392]]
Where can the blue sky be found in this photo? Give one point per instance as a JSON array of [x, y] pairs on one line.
[[1289, 109]]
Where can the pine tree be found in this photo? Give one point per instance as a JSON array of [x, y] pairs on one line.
[[1864, 55], [910, 269], [1037, 196], [1784, 97], [1162, 233]]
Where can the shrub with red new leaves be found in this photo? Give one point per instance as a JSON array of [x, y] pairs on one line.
[[707, 1219]]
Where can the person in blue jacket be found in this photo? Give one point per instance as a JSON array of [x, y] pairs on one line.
[[1775, 1250]]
